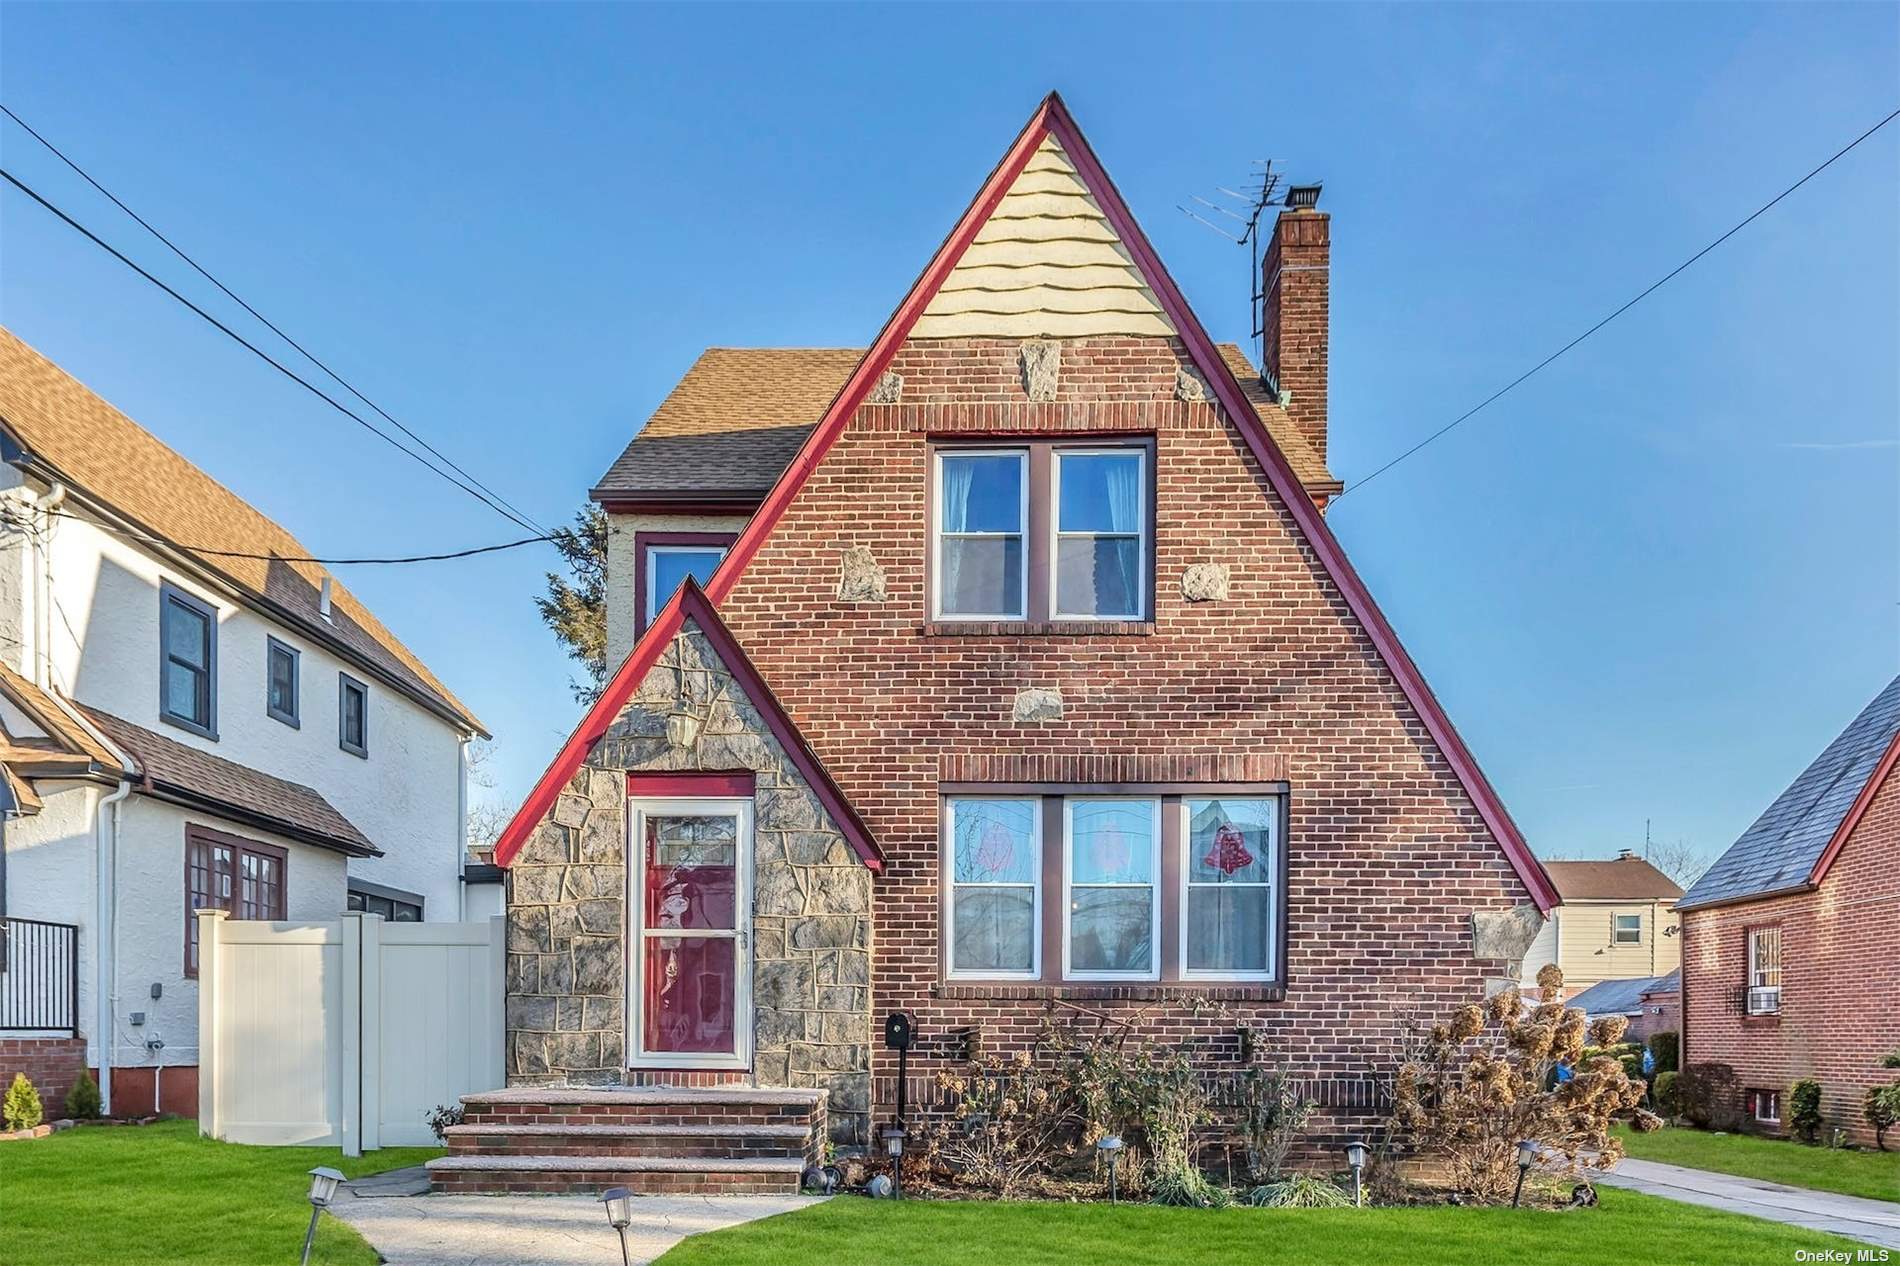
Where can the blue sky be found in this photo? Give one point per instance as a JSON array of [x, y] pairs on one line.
[[1648, 585]]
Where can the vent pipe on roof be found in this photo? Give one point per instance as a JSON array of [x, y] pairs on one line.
[[323, 600]]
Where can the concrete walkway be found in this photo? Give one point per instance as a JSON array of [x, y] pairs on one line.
[[1873, 1221], [423, 1230]]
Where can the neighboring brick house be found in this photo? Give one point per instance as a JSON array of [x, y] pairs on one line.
[[1615, 920], [1026, 673], [1791, 941]]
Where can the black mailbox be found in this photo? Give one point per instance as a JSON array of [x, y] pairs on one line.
[[899, 1030]]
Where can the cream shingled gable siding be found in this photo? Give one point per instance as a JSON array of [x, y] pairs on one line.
[[1047, 264]]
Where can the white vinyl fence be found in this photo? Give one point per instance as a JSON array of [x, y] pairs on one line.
[[344, 1033]]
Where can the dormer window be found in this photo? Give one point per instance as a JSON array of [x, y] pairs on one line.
[[666, 559], [1042, 532]]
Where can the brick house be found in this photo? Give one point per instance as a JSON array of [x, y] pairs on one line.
[[1791, 941], [1004, 665]]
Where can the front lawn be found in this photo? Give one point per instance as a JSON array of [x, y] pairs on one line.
[[854, 1231], [1875, 1175], [159, 1194]]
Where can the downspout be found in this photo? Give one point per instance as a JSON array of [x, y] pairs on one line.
[[105, 952], [45, 503], [461, 828]]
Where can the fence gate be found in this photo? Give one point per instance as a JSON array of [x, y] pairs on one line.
[[344, 1033]]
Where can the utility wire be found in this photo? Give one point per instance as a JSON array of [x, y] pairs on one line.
[[267, 322], [268, 359], [148, 539], [1651, 289]]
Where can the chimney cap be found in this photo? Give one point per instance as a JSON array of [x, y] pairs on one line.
[[1303, 197], [1626, 855]]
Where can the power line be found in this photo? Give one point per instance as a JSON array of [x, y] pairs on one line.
[[268, 359], [267, 322], [148, 539], [1649, 290]]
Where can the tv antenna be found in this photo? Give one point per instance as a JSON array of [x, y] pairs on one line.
[[1265, 188]]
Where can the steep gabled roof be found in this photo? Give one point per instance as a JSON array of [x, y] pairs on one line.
[[1627, 878], [69, 434], [1052, 120], [1789, 847], [737, 419]]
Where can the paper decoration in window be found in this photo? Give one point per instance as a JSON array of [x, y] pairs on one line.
[[1229, 852]]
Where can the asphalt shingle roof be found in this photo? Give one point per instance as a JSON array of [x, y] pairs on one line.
[[735, 421], [1620, 997], [1780, 849], [1623, 879]]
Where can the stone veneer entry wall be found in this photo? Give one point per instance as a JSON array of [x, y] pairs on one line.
[[811, 919]]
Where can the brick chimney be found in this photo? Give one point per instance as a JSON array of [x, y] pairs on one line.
[[1295, 286]]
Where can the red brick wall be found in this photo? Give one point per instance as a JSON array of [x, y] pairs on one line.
[[52, 1064], [1840, 974], [1387, 855], [1295, 283]]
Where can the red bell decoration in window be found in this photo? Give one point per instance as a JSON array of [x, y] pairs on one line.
[[1229, 852]]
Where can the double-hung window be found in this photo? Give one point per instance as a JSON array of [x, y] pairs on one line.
[[995, 887], [281, 685], [1764, 971], [188, 662], [1042, 532], [242, 877], [1162, 884], [1626, 929], [982, 527], [1113, 854]]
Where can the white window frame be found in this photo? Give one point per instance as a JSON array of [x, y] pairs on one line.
[[1068, 884], [1755, 970], [1755, 1098], [1273, 895], [635, 933], [1616, 932], [950, 886], [1141, 533], [937, 535], [654, 599]]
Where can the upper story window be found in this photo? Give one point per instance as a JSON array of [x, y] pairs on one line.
[[283, 687], [1764, 971], [352, 729], [1152, 887], [188, 662], [1042, 531], [1626, 929], [666, 559]]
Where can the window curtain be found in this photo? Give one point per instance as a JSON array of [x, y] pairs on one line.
[[958, 478], [1124, 515]]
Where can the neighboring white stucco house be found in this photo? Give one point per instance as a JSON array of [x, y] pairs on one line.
[[191, 717]]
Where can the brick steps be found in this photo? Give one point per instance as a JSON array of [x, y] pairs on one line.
[[735, 1140], [587, 1175]]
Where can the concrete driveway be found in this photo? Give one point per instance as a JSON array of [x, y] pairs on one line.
[[1873, 1221], [423, 1230]]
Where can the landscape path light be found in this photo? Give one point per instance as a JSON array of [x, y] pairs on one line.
[[618, 1202], [1526, 1155], [894, 1146], [1356, 1161], [323, 1184], [1109, 1147]]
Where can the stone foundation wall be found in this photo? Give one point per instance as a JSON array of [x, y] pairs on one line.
[[811, 925]]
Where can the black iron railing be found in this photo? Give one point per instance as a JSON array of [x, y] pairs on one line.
[[39, 976]]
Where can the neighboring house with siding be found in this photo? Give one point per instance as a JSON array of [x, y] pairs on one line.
[[1615, 921], [1791, 941], [189, 717], [1018, 668]]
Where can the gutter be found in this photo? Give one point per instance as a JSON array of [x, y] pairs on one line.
[[105, 951]]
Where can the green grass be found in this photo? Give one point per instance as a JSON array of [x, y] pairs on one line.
[[1875, 1175], [159, 1194], [853, 1231]]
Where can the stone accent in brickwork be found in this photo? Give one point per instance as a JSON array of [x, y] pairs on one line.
[[1190, 386], [1038, 704], [888, 389], [1042, 369], [1205, 582], [811, 924], [860, 579]]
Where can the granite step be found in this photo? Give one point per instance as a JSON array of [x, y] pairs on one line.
[[642, 1139]]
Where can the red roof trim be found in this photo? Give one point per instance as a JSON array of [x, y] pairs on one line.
[[1856, 811], [688, 603], [1052, 118]]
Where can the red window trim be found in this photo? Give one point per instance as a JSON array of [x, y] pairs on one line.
[[1039, 531], [737, 784], [643, 540], [1051, 982], [196, 834]]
